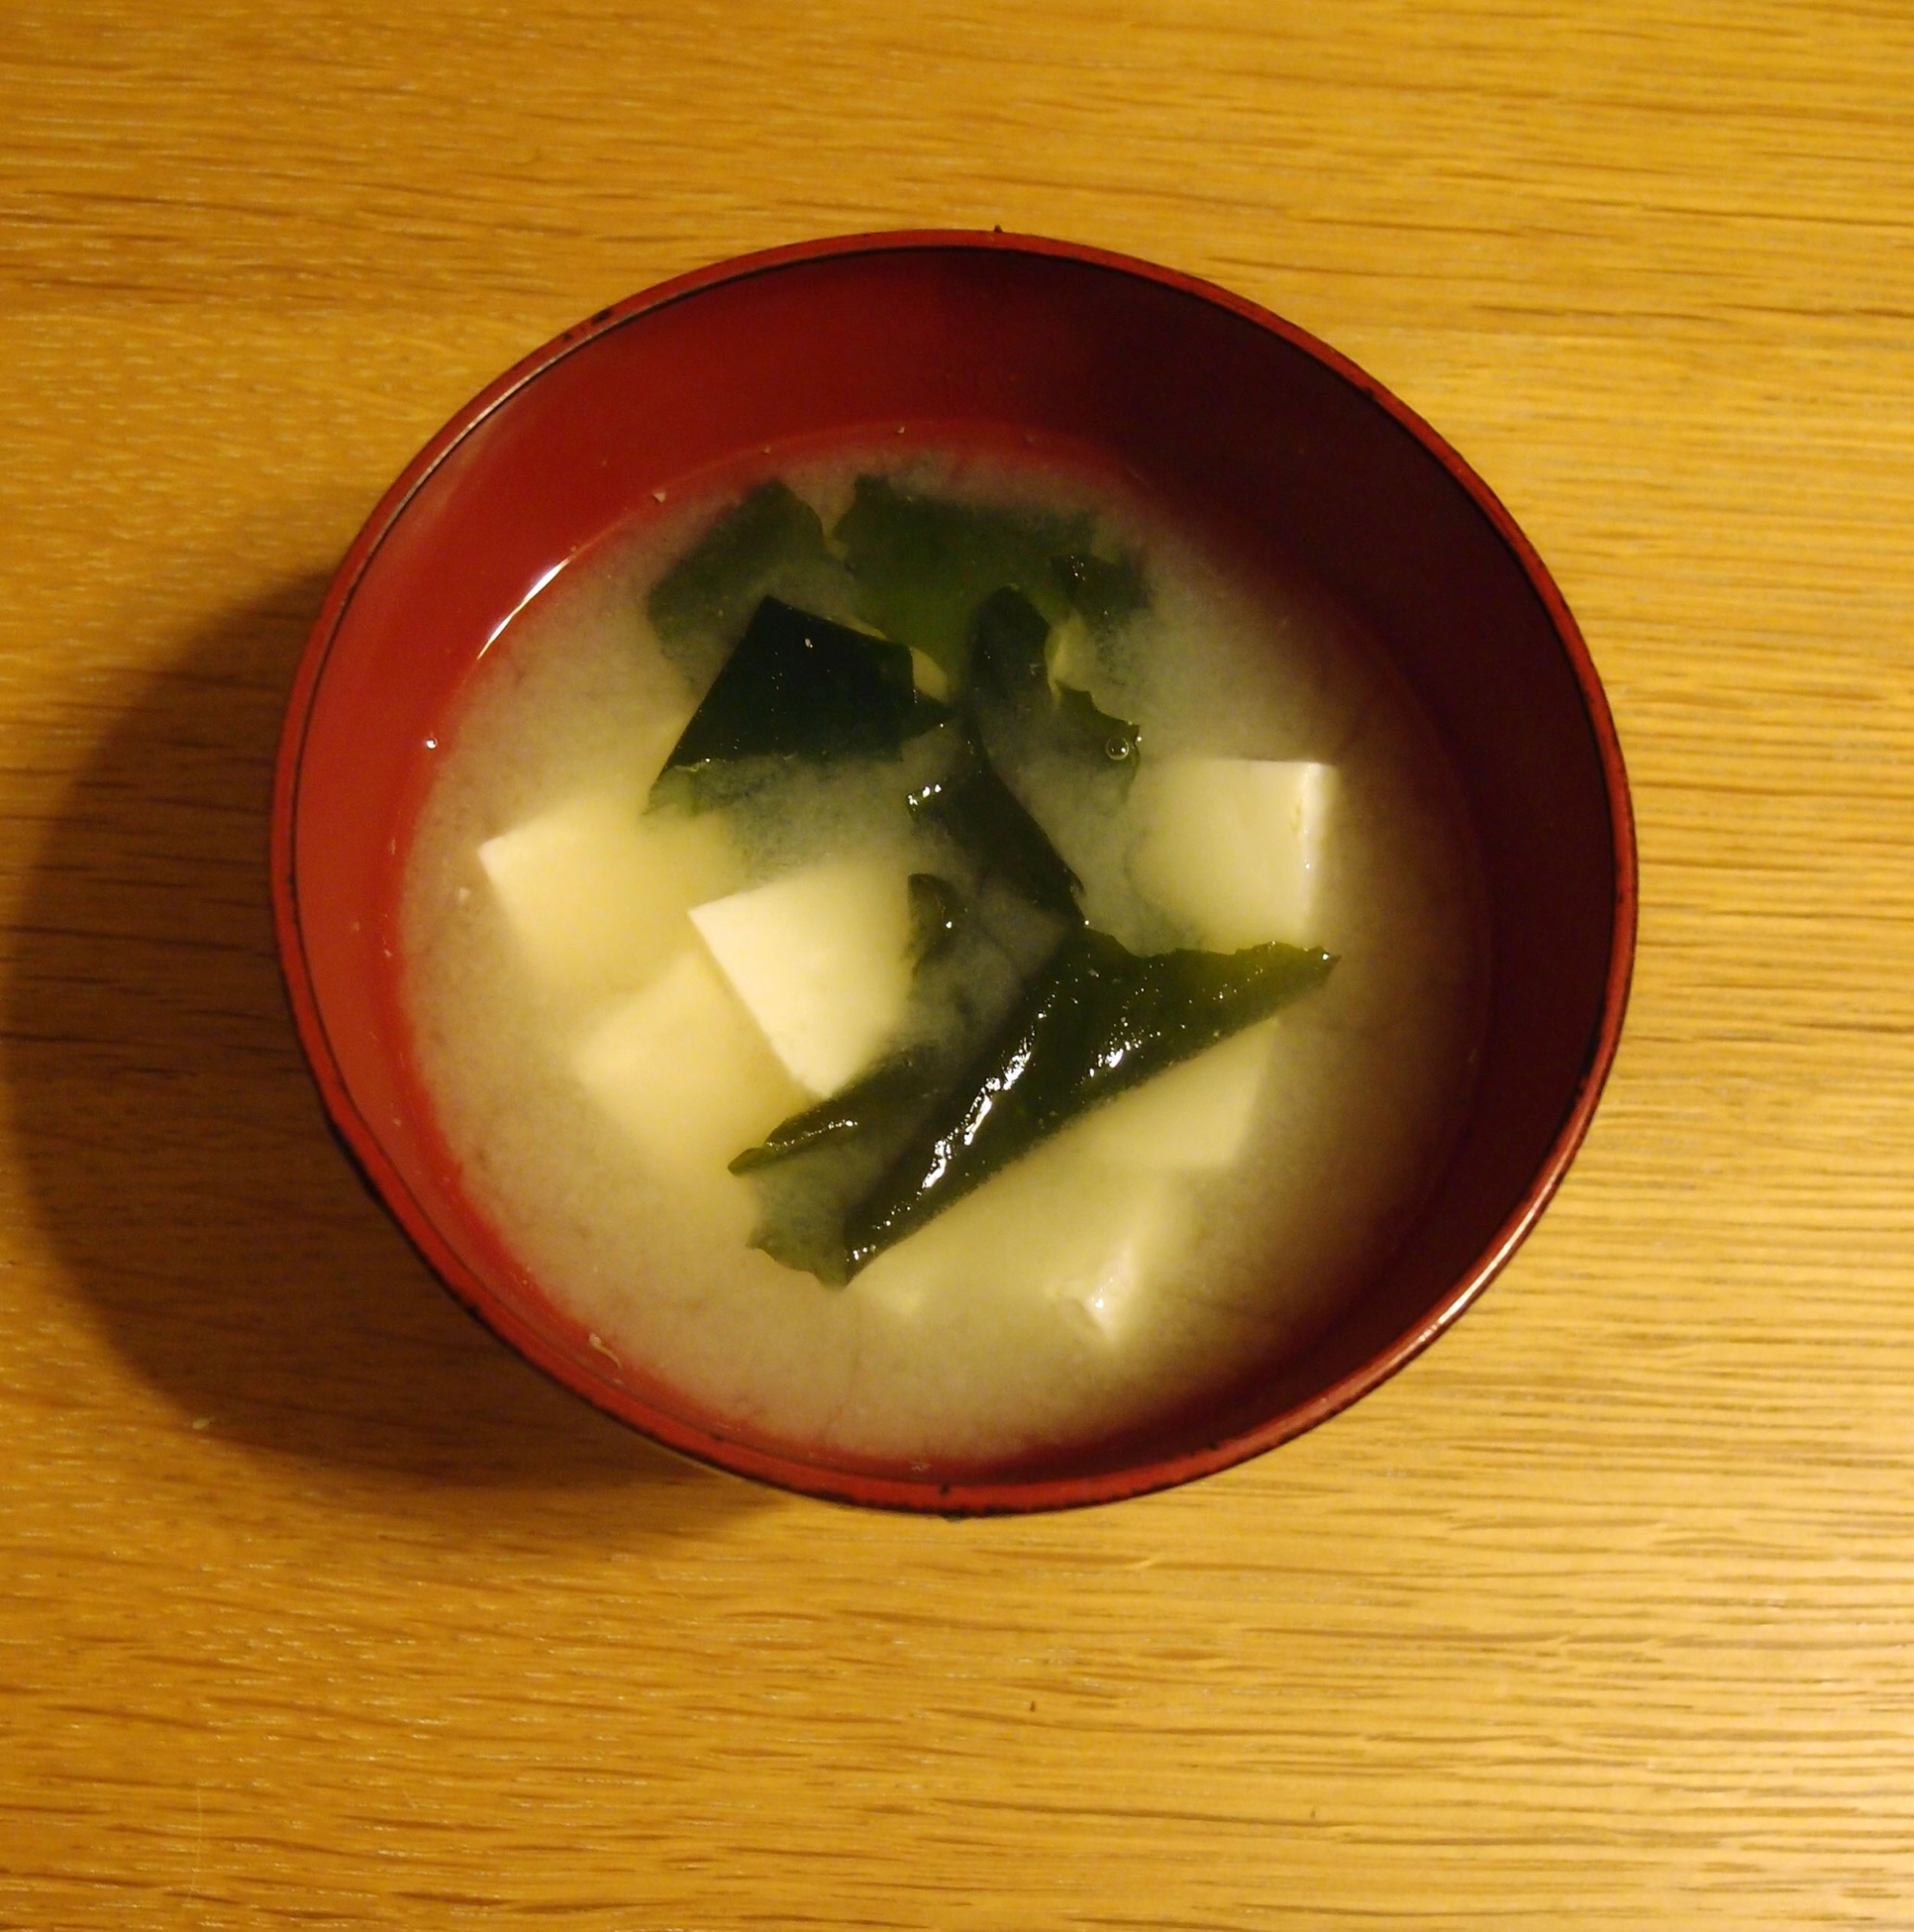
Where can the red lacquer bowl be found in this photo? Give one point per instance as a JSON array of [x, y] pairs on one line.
[[1217, 404]]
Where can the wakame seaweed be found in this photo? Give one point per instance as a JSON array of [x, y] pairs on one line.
[[977, 591], [1008, 637], [811, 1169], [854, 1173], [1099, 1020], [773, 541], [1010, 685], [935, 908], [923, 565], [799, 686], [988, 821], [1089, 733], [904, 1080]]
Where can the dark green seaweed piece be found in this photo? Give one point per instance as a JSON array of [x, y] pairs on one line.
[[802, 1228], [1087, 732], [1011, 688], [1107, 594], [924, 564], [798, 686], [1007, 643], [874, 1097], [981, 813], [711, 589], [811, 1167], [935, 907], [1100, 1020]]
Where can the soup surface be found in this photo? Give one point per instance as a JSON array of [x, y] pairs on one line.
[[720, 1023]]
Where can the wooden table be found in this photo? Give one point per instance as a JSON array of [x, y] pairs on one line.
[[316, 1607]]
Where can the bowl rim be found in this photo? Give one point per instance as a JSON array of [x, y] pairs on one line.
[[983, 1496]]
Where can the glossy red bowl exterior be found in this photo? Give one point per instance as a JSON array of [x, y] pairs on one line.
[[1235, 415]]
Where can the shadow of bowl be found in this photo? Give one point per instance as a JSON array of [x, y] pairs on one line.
[[180, 1162]]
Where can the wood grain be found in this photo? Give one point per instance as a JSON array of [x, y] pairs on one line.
[[316, 1607]]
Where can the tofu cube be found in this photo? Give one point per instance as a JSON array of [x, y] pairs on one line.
[[597, 894], [682, 1069], [1232, 848], [1193, 1118], [1127, 1238], [822, 960], [1061, 1230]]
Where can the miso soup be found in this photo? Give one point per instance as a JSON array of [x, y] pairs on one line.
[[936, 961]]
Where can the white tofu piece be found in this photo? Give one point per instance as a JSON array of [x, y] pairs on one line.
[[597, 894], [1131, 1230], [928, 676], [1193, 1118], [1232, 848], [682, 1069], [1070, 655], [1059, 1230], [820, 957]]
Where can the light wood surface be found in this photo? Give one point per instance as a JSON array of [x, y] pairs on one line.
[[316, 1607]]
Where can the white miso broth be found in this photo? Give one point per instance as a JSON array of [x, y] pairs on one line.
[[619, 979]]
